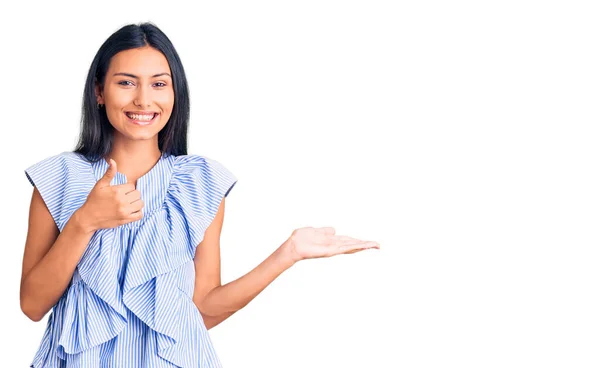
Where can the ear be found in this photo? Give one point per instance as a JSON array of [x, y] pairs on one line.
[[99, 96]]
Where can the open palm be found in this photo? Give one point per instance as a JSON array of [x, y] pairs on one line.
[[311, 242]]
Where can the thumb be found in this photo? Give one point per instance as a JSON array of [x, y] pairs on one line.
[[110, 172]]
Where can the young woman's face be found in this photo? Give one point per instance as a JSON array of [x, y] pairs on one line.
[[138, 93]]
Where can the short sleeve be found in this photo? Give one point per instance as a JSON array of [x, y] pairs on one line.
[[219, 176], [197, 188], [48, 176], [64, 182]]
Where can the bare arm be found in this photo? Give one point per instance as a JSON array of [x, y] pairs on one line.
[[217, 302], [237, 294], [49, 258]]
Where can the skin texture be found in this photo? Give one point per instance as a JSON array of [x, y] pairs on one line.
[[135, 147], [50, 257]]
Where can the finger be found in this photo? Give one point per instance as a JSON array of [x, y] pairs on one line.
[[133, 196], [334, 240], [359, 250], [343, 240], [110, 172], [137, 206], [125, 188], [134, 216], [355, 247]]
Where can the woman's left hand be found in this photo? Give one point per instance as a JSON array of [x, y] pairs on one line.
[[310, 242]]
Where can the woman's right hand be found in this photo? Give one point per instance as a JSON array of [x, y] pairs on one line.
[[109, 206]]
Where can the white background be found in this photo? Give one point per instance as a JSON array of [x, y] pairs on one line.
[[462, 136]]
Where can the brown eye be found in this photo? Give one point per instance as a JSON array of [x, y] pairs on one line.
[[121, 83], [162, 84]]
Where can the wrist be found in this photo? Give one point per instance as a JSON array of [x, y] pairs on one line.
[[286, 254], [79, 220]]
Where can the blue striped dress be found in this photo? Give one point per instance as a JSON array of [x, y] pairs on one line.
[[129, 303]]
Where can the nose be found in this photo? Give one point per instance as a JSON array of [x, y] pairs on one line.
[[143, 97]]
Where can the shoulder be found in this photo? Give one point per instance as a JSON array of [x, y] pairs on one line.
[[197, 188], [200, 165], [58, 179], [66, 157], [57, 164], [205, 172], [193, 161]]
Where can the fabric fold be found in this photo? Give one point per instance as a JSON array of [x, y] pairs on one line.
[[199, 185], [91, 311], [63, 183], [165, 243], [145, 268], [95, 312]]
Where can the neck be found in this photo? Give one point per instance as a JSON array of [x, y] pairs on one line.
[[134, 157]]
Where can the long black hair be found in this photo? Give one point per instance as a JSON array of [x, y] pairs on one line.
[[96, 135]]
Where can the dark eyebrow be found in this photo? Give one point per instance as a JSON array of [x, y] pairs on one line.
[[136, 77]]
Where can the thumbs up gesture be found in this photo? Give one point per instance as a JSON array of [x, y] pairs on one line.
[[109, 206]]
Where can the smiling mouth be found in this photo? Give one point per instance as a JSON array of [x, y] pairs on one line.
[[141, 119]]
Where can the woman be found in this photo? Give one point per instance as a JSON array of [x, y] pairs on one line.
[[127, 255]]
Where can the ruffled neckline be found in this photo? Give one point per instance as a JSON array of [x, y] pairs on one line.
[[182, 195], [163, 166]]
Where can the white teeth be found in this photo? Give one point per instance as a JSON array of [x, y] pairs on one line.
[[140, 117]]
